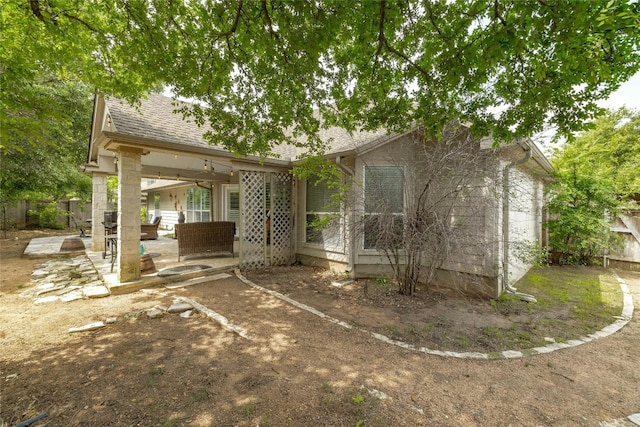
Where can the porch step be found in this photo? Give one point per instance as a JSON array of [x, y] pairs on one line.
[[178, 280]]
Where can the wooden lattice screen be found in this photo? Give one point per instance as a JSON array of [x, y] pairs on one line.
[[259, 216], [252, 220], [281, 219]]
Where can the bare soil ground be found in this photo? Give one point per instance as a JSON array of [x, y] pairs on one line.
[[295, 369], [442, 319]]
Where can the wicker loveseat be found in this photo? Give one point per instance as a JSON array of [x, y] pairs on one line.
[[205, 237], [150, 231]]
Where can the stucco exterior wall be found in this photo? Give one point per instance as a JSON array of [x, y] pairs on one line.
[[475, 264], [472, 211], [630, 249], [525, 195]]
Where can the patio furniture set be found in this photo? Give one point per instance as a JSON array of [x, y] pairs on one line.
[[193, 238]]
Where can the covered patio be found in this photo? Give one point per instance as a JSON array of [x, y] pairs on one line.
[[151, 142]]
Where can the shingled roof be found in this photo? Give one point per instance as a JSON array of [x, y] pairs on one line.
[[157, 118]]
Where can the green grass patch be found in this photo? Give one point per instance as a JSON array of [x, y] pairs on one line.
[[515, 337], [572, 302], [588, 291], [154, 373], [350, 406]]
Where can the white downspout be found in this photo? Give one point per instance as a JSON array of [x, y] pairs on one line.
[[505, 228], [352, 253]]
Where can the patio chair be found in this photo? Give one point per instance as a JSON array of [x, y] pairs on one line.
[[150, 231]]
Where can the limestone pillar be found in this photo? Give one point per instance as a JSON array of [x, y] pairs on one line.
[[129, 175], [98, 206]]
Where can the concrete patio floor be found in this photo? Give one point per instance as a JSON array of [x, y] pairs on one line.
[[163, 252]]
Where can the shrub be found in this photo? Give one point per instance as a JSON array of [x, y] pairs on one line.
[[49, 216]]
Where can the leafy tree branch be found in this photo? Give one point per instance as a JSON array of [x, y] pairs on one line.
[[509, 68]]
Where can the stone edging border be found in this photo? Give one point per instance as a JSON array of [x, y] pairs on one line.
[[623, 319]]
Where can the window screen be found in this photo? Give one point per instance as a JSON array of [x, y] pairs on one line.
[[384, 189], [321, 198], [383, 206], [321, 209]]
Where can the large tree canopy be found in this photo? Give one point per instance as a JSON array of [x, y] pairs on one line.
[[596, 173], [609, 153], [49, 140], [506, 67]]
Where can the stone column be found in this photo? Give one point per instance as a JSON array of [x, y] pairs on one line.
[[129, 175], [98, 206]]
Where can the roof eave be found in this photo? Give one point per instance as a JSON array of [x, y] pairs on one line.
[[537, 154], [115, 139]]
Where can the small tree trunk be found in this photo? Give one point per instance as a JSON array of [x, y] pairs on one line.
[[4, 220]]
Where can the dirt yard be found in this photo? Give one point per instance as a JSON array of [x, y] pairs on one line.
[[293, 368]]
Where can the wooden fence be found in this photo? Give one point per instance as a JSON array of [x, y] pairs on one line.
[[627, 226], [18, 217]]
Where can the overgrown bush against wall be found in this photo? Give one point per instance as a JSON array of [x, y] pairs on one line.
[[49, 216]]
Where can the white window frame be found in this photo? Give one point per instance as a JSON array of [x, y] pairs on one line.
[[198, 213], [332, 237]]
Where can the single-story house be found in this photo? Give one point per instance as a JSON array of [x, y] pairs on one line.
[[501, 206]]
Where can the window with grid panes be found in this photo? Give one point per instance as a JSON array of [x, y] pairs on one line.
[[198, 205]]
